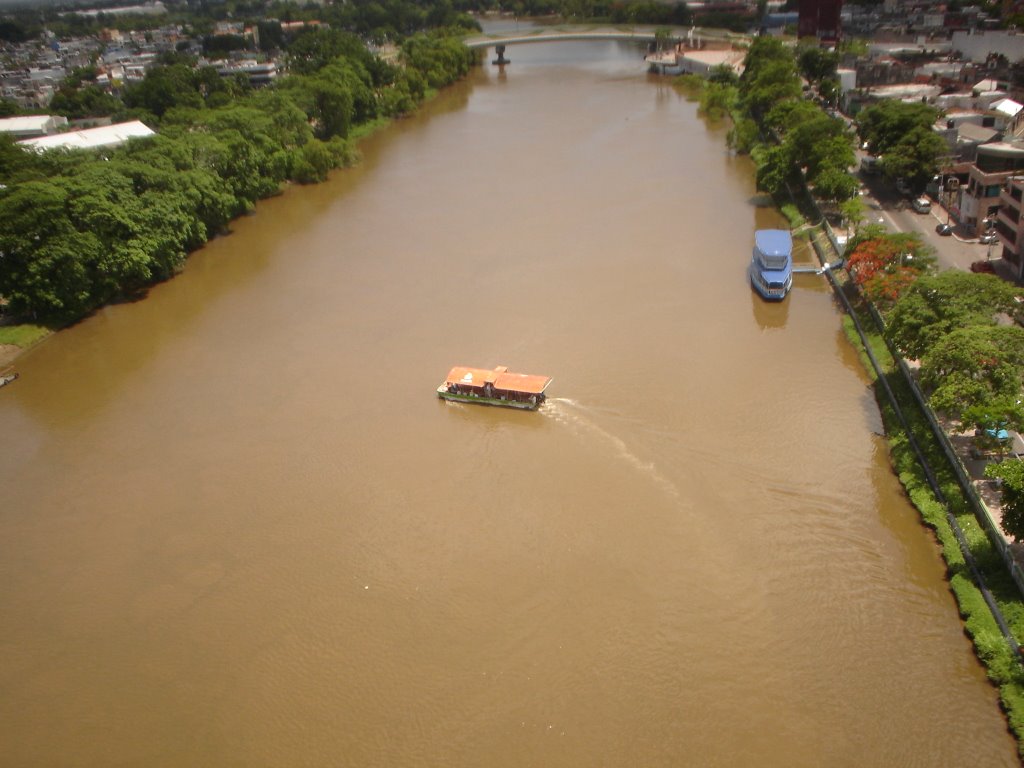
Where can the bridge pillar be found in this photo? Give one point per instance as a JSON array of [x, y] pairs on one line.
[[500, 50]]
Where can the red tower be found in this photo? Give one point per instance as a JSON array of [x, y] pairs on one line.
[[820, 19]]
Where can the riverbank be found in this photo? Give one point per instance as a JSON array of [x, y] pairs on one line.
[[8, 353], [988, 599], [18, 338]]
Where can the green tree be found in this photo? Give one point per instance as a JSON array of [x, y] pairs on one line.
[[774, 82], [327, 101], [44, 268], [440, 59], [716, 99], [974, 366], [314, 49], [915, 157], [817, 64], [853, 211], [163, 88], [834, 184], [775, 168], [938, 304], [1012, 492], [743, 136], [313, 163], [829, 90], [102, 200], [788, 115], [821, 143], [77, 103], [723, 74], [18, 163], [886, 124]]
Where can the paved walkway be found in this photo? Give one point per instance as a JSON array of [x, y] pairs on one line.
[[974, 460]]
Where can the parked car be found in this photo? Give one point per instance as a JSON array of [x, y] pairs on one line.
[[984, 265], [922, 205], [902, 187], [988, 237], [944, 229]]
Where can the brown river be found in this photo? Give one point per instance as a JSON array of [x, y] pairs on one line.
[[239, 528]]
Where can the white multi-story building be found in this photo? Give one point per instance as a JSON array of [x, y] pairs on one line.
[[977, 45]]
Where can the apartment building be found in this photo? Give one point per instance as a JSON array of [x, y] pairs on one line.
[[1009, 226]]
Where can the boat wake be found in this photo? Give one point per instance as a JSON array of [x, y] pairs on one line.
[[575, 416]]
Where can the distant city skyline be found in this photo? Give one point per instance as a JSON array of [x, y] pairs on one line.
[[9, 4]]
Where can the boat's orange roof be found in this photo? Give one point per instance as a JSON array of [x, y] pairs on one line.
[[499, 378]]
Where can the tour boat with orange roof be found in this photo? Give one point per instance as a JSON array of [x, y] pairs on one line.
[[498, 387]]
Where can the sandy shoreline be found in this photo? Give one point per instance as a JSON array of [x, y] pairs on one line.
[[7, 354]]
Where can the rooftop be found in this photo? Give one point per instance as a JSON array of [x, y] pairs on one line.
[[499, 378], [91, 138]]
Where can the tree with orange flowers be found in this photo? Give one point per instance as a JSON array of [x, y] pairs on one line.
[[884, 265]]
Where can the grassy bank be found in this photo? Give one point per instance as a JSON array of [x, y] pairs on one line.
[[1004, 671], [24, 335], [20, 337]]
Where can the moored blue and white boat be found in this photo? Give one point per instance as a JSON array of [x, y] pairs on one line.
[[771, 266]]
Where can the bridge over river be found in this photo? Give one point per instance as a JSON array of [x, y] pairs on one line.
[[646, 34]]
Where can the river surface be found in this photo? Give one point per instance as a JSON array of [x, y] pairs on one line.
[[239, 528]]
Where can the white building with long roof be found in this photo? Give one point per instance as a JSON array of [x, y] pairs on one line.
[[91, 138], [32, 126]]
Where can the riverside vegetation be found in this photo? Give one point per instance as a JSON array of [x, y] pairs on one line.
[[953, 323], [85, 229], [82, 229]]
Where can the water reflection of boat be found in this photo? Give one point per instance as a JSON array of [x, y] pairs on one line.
[[769, 315], [771, 265], [497, 387]]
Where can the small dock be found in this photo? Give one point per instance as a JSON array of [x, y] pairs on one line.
[[811, 270]]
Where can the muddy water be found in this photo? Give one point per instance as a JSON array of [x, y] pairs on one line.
[[238, 527]]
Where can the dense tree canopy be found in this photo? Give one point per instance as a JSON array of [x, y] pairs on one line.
[[885, 124], [901, 134], [915, 157], [936, 305], [811, 143], [816, 63], [773, 81], [790, 138], [974, 366], [82, 228]]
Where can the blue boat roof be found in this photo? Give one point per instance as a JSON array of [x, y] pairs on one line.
[[773, 242]]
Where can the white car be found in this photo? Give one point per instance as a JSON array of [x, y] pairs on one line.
[[921, 205]]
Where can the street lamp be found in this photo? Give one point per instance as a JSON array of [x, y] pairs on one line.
[[990, 230], [947, 186]]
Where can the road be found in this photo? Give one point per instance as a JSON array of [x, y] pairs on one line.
[[955, 251]]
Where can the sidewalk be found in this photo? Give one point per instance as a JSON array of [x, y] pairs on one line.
[[974, 461]]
